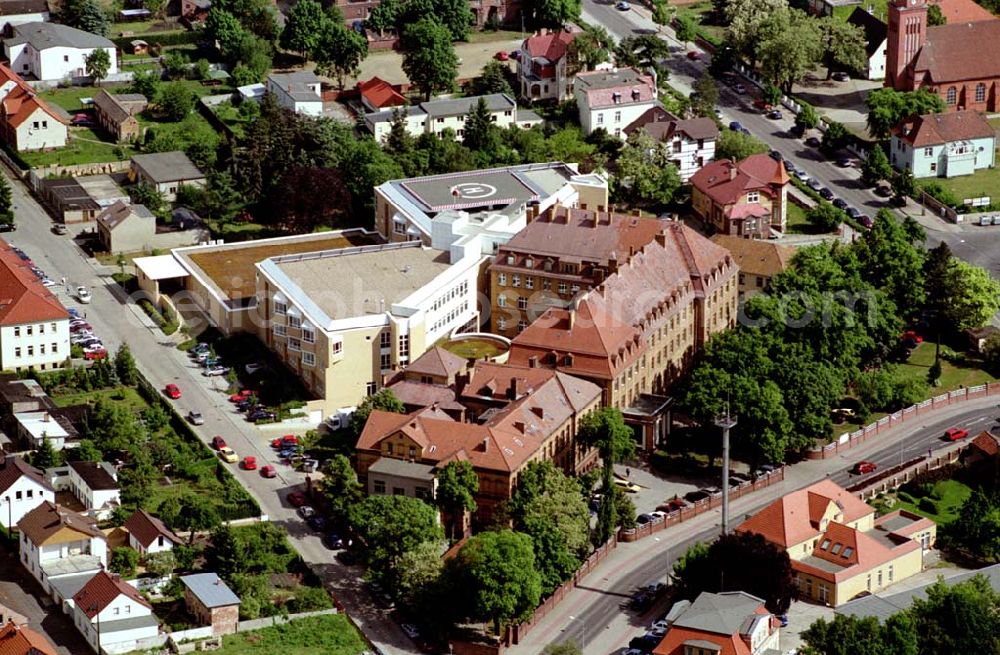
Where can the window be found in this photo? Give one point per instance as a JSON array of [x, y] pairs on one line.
[[847, 552], [29, 330], [65, 58], [547, 284], [17, 352], [52, 326], [294, 344], [826, 544], [501, 280], [308, 335], [280, 330], [309, 359], [404, 345], [398, 227], [338, 346], [952, 96], [31, 351], [371, 388], [41, 329], [294, 322], [880, 578], [55, 349], [41, 349], [379, 486], [980, 97], [933, 167], [563, 287], [753, 196], [280, 307], [34, 125], [521, 325], [529, 283], [928, 152], [515, 280], [836, 548], [600, 119], [501, 324], [618, 117], [501, 301], [522, 302], [413, 452], [890, 573], [17, 495], [31, 493], [385, 361], [17, 331], [385, 340]]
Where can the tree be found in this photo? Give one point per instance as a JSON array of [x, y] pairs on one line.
[[903, 186], [391, 526], [887, 253], [145, 83], [123, 561], [737, 145], [704, 96], [419, 572], [960, 618], [497, 573], [835, 137], [341, 51], [46, 456], [383, 400], [825, 217], [98, 63], [568, 647], [746, 19], [661, 14], [807, 118], [148, 195], [790, 48], [492, 79], [590, 48], [644, 173], [340, 487], [845, 45], [458, 485], [744, 561], [384, 16], [6, 202], [226, 553], [973, 295], [176, 64], [605, 430], [876, 166], [479, 132], [175, 101], [887, 107], [643, 52], [429, 59], [852, 635], [935, 16], [87, 15], [304, 26], [195, 513], [685, 29], [976, 530], [86, 451], [455, 15], [770, 94], [294, 206], [125, 365], [553, 13], [155, 7]]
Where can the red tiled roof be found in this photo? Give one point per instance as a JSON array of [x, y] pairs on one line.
[[863, 553], [660, 124], [13, 469], [23, 298], [22, 100], [756, 256], [947, 55], [551, 46], [146, 528], [22, 640], [963, 11], [937, 129], [422, 394], [674, 642], [985, 442], [101, 590], [380, 94], [725, 182], [437, 362], [629, 85]]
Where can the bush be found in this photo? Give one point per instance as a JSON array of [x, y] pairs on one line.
[[309, 599], [941, 194], [928, 505], [906, 498], [123, 561]]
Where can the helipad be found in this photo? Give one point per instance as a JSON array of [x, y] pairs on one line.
[[496, 188]]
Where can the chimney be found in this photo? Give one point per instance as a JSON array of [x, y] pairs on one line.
[[572, 317], [533, 361], [515, 389], [539, 412], [598, 275], [661, 238], [631, 251], [613, 262], [732, 172], [486, 445]]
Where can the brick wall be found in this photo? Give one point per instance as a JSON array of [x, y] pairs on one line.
[[225, 620]]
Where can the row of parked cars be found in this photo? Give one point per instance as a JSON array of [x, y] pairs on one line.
[[989, 220], [81, 333]]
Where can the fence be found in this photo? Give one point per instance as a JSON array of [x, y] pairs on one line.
[[938, 207], [76, 170], [700, 507], [897, 476], [849, 440]]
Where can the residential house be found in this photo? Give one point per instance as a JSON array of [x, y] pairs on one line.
[[977, 337], [613, 99], [34, 326], [484, 207], [298, 92], [80, 199], [726, 623], [53, 52], [126, 228], [92, 484], [116, 114], [148, 535], [113, 616], [22, 640], [18, 396], [32, 428], [543, 70], [57, 545], [436, 116], [27, 122], [195, 11], [560, 254], [944, 145], [758, 260], [876, 43], [938, 58], [18, 12], [166, 171], [689, 144], [22, 489], [837, 546], [747, 199], [517, 415], [639, 331], [211, 602], [377, 94]]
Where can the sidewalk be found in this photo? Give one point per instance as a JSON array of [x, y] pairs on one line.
[[625, 567]]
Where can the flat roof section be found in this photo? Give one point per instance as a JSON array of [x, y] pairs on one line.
[[231, 266], [469, 190], [345, 285]]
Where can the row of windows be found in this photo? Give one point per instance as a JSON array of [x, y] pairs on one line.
[[502, 325], [459, 289], [529, 283], [29, 330], [41, 350], [450, 316], [951, 96]]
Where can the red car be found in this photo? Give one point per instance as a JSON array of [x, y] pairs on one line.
[[911, 335], [95, 354], [297, 499], [249, 463], [502, 56], [173, 392], [694, 55], [268, 471], [218, 442], [285, 441], [955, 434], [242, 395], [864, 467]]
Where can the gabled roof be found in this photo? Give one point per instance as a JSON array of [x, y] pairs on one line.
[[16, 7], [168, 167], [938, 129], [119, 212], [622, 87], [23, 297], [43, 36], [437, 362], [875, 30], [380, 94], [115, 106], [963, 11], [96, 475], [14, 468], [21, 101], [725, 181], [756, 256], [984, 441], [101, 590], [421, 394], [146, 528], [660, 124], [714, 622], [549, 45], [946, 56], [210, 590], [47, 519], [22, 640]]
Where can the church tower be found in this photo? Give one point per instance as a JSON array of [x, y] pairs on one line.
[[907, 34]]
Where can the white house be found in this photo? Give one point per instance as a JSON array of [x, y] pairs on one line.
[[690, 144], [298, 91], [58, 544], [18, 12], [35, 427], [113, 611], [53, 52], [27, 122], [944, 145], [34, 326], [147, 534], [94, 484], [436, 116], [542, 66], [613, 99], [876, 43], [22, 489]]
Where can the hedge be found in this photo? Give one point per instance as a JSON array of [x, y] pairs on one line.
[[182, 37]]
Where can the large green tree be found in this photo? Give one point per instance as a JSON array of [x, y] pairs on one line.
[[961, 618], [6, 202], [590, 48], [383, 400], [304, 27], [341, 51], [492, 79], [429, 59], [747, 24], [704, 96], [457, 487], [790, 47], [390, 526], [605, 430], [98, 64], [552, 13], [887, 254], [845, 45], [341, 487], [737, 145], [975, 532], [480, 134], [887, 107], [876, 166], [644, 174], [87, 15], [825, 217], [852, 635]]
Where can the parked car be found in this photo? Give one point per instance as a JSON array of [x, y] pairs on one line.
[[305, 511], [46, 281], [60, 228], [866, 221], [218, 442], [333, 541], [95, 354], [841, 76], [864, 467], [316, 522], [640, 602], [996, 219], [813, 142], [695, 496], [172, 391], [735, 126], [83, 294], [502, 56], [955, 434], [228, 455], [249, 463], [912, 335], [285, 441], [789, 166], [296, 499], [853, 212], [814, 184], [844, 162], [986, 220], [196, 418], [645, 644], [739, 88], [622, 5], [842, 414], [253, 367], [243, 394], [776, 156], [673, 505], [260, 414], [73, 312], [775, 115], [840, 203], [268, 471], [216, 370], [825, 194], [693, 55], [643, 519], [626, 486]]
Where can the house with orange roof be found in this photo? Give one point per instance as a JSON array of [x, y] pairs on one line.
[[727, 623], [28, 122], [838, 548], [34, 326], [377, 94], [22, 640], [758, 260], [113, 616], [543, 70], [748, 198], [638, 331], [948, 144]]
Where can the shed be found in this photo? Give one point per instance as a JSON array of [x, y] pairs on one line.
[[126, 228], [166, 171], [211, 602]]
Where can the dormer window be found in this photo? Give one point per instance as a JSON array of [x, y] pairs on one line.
[[510, 260], [836, 549], [529, 262], [825, 545], [753, 196]]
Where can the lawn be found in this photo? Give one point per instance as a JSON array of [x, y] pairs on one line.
[[881, 10], [85, 145], [70, 97], [487, 36], [943, 503], [126, 395], [701, 13], [985, 182], [474, 348], [953, 376], [330, 634]]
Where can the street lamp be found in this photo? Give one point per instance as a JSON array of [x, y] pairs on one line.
[[584, 624]]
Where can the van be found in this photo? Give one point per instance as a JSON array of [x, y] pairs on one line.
[[996, 219], [985, 220]]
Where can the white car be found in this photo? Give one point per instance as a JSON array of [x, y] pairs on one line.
[[254, 367], [216, 370], [48, 282], [83, 294], [410, 630]]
